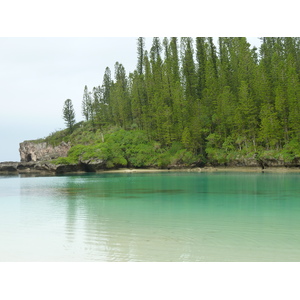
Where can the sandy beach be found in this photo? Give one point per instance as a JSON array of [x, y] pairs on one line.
[[206, 169]]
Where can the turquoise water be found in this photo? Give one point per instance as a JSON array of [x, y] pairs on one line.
[[151, 217]]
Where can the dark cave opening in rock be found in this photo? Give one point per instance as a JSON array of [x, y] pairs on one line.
[[28, 157]]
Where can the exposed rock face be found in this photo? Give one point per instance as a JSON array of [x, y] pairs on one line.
[[31, 151], [8, 167], [36, 159], [46, 168], [93, 165]]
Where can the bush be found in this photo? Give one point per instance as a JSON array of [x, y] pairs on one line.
[[185, 157], [291, 151], [216, 155], [126, 148], [64, 161], [163, 161], [141, 155]]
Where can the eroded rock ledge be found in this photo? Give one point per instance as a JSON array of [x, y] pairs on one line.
[[46, 167]]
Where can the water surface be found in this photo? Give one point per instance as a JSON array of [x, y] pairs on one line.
[[151, 217]]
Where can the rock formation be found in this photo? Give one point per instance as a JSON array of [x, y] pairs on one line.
[[36, 158], [33, 151], [8, 167]]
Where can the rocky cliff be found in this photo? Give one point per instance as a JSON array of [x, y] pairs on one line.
[[33, 151], [36, 158]]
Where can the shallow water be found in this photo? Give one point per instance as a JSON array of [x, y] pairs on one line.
[[151, 217]]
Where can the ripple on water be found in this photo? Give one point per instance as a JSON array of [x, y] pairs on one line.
[[194, 217]]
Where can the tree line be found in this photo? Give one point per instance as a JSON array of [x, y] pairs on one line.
[[211, 98]]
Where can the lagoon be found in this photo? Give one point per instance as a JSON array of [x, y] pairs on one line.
[[163, 216]]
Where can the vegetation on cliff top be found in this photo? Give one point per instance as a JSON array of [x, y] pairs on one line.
[[120, 148], [190, 101]]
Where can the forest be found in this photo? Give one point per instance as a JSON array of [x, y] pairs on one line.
[[192, 100]]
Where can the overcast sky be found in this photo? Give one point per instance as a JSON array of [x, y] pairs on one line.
[[38, 74]]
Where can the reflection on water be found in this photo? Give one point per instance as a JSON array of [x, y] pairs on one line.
[[151, 217]]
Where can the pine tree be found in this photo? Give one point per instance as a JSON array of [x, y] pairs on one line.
[[188, 70], [223, 116], [270, 129], [138, 98], [246, 117], [178, 105], [217, 100], [87, 104], [293, 95], [210, 95], [106, 95], [69, 115], [120, 102], [98, 108], [187, 139], [149, 109], [157, 99], [140, 53], [174, 60], [282, 110], [201, 61], [213, 55]]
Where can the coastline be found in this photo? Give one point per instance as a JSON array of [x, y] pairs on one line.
[[47, 168], [207, 170]]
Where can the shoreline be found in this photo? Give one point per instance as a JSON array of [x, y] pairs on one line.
[[47, 168], [207, 170]]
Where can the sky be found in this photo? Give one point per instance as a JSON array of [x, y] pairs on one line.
[[38, 74]]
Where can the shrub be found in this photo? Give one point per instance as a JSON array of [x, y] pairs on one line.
[[64, 161], [291, 151], [126, 148], [185, 157]]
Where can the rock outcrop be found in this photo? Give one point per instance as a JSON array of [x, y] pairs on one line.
[[36, 158], [8, 167], [46, 167], [33, 151], [93, 165]]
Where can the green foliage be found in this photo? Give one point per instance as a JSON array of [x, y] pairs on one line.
[[214, 140], [77, 151], [121, 148], [184, 157], [187, 138], [176, 147], [208, 105], [270, 131], [130, 149], [291, 151], [177, 155], [216, 155], [55, 138], [64, 161]]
